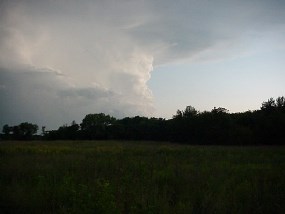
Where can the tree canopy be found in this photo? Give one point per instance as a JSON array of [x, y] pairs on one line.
[[23, 131], [218, 126]]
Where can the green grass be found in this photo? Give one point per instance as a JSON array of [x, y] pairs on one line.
[[140, 177]]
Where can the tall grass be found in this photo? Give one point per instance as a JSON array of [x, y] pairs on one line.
[[140, 177]]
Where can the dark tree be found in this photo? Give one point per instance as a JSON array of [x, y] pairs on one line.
[[27, 130], [280, 103], [218, 126], [269, 105], [190, 111], [178, 115], [92, 120], [6, 129], [220, 110], [95, 126], [24, 131]]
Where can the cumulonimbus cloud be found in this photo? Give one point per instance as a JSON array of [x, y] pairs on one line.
[[63, 59]]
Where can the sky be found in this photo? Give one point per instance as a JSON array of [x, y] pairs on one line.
[[63, 59]]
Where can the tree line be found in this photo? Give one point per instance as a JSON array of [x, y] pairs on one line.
[[23, 131], [265, 126]]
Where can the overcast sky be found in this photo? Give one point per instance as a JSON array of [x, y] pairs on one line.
[[63, 59]]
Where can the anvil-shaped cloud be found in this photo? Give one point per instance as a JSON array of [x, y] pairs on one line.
[[63, 59]]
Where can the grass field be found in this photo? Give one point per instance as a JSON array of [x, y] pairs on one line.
[[140, 177]]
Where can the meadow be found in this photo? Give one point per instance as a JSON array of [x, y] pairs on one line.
[[140, 177]]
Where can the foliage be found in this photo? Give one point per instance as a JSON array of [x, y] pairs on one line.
[[92, 120], [189, 112], [23, 131], [94, 126], [218, 126]]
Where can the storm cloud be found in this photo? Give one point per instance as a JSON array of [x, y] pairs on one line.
[[60, 60]]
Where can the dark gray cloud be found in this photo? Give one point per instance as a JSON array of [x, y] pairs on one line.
[[45, 98], [30, 96]]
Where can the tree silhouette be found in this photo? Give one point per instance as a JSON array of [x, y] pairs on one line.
[[6, 129], [23, 131], [218, 126], [280, 103], [269, 105], [26, 130], [94, 126]]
